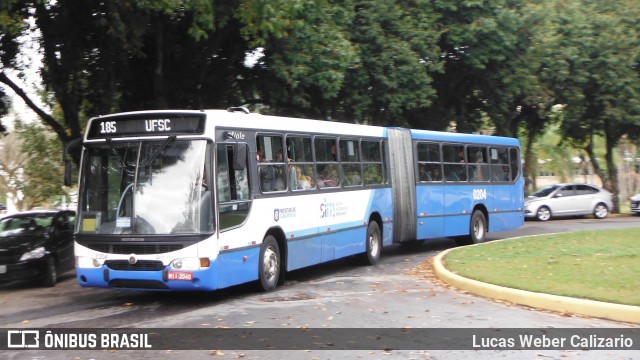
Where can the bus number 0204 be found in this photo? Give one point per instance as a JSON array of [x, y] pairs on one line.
[[479, 194], [107, 127]]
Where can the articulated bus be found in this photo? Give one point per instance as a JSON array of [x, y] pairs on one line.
[[203, 200]]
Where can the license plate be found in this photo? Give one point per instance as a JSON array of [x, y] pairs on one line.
[[3, 269], [179, 275]]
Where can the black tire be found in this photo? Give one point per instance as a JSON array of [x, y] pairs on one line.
[[477, 230], [269, 264], [478, 227], [50, 274], [543, 213], [600, 211], [373, 244]]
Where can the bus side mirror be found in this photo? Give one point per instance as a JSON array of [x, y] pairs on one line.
[[68, 168], [239, 156]]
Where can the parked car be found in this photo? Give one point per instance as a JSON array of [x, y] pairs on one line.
[[568, 200], [36, 246], [635, 204]]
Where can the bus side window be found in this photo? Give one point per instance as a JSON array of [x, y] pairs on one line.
[[429, 162], [500, 165], [455, 168], [372, 163], [271, 167], [478, 167], [233, 189]]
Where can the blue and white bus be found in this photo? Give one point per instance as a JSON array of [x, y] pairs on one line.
[[203, 200]]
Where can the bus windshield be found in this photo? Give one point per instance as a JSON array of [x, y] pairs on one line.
[[145, 187]]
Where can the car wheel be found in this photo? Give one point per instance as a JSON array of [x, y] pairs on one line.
[[600, 211], [543, 213], [50, 274], [269, 265]]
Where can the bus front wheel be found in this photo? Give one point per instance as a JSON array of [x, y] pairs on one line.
[[373, 244], [269, 265]]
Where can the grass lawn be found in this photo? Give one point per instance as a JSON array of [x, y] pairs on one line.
[[600, 265]]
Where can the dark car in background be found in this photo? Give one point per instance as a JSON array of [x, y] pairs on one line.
[[568, 200], [36, 246]]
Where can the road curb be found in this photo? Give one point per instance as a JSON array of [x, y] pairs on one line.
[[563, 304]]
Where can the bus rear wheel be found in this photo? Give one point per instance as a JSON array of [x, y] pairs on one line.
[[477, 230], [478, 227], [373, 244], [269, 264]]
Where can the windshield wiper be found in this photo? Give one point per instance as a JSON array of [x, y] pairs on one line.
[[169, 140], [123, 165]]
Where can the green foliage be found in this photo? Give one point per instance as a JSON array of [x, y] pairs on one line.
[[307, 52], [398, 54], [41, 181]]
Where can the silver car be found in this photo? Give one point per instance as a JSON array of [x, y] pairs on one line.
[[568, 200], [635, 204]]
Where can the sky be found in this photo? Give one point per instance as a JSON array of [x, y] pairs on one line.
[[30, 59]]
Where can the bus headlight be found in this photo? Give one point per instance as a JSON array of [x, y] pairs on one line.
[[190, 263], [88, 262]]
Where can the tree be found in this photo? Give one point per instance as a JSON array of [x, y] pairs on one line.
[[596, 76], [368, 62], [122, 56], [40, 185], [12, 163], [398, 56]]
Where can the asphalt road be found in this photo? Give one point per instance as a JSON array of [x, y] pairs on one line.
[[398, 293]]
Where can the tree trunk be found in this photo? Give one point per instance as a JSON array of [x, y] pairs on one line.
[[594, 162], [529, 166], [613, 185]]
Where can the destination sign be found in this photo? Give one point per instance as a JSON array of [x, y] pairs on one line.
[[146, 125]]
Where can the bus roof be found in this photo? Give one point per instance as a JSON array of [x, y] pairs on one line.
[[461, 137], [256, 121]]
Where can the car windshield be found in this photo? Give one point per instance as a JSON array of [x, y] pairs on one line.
[[30, 222], [150, 187], [545, 192]]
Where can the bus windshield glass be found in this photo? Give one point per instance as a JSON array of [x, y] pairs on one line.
[[148, 187]]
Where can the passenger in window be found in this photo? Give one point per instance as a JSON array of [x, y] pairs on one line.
[[267, 178], [304, 182], [293, 177], [372, 175], [330, 176], [505, 173], [424, 175], [279, 183], [435, 174], [356, 179]]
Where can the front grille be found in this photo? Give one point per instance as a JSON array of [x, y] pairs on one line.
[[126, 249], [141, 265]]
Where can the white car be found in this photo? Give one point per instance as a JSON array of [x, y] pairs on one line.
[[635, 204], [568, 200]]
